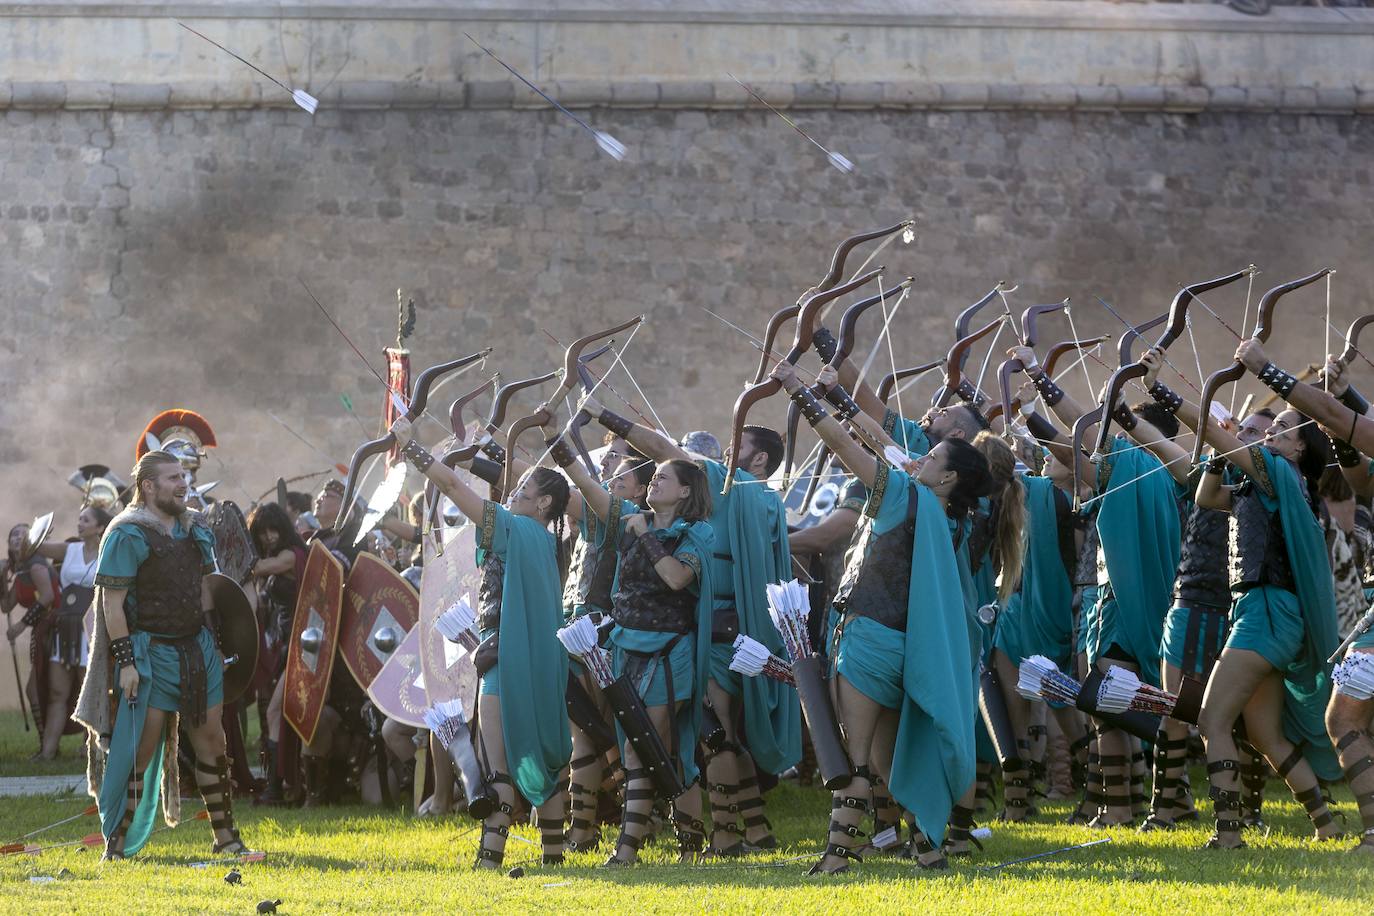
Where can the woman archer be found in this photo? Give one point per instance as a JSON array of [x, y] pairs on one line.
[[522, 724]]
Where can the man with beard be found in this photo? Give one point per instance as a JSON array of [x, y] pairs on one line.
[[153, 646]]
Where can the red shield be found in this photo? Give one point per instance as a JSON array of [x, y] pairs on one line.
[[448, 670], [399, 690], [308, 665], [378, 606]]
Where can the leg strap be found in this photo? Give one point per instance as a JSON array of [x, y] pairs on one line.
[[1290, 762]]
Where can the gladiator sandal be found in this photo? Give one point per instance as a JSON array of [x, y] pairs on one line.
[[583, 835], [1226, 805], [727, 840], [1359, 775], [1254, 774], [983, 788], [1171, 759], [634, 821], [492, 854], [552, 839], [887, 814], [846, 813], [1078, 760], [314, 769], [1116, 770], [1140, 802], [959, 835], [751, 809], [1037, 751], [1310, 798], [691, 835], [1016, 789], [114, 843], [1094, 793], [920, 847], [219, 802]]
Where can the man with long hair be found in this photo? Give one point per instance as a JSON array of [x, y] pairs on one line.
[[154, 650]]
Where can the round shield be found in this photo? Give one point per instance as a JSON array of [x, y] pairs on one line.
[[238, 634], [234, 550], [39, 529]]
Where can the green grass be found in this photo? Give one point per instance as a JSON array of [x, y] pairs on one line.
[[16, 746], [359, 859]]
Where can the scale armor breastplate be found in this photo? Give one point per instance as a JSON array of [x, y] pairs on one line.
[[1202, 565], [877, 574], [643, 601], [168, 586], [1259, 555]]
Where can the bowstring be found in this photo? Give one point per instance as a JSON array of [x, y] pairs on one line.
[[1068, 313], [642, 396], [877, 344], [1245, 320], [891, 354], [1326, 376]]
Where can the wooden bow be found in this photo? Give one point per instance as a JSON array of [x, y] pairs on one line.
[[1352, 337], [890, 381], [844, 345], [565, 387], [954, 382], [582, 418], [832, 276], [455, 410], [418, 399], [1236, 371], [801, 342], [1028, 334], [1178, 323]]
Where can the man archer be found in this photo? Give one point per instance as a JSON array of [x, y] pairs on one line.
[[155, 658]]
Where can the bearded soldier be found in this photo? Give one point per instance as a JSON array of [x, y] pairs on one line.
[[155, 654]]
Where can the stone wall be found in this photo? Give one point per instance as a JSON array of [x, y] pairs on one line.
[[159, 208]]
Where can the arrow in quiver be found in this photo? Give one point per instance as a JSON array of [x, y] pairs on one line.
[[314, 636], [379, 608]]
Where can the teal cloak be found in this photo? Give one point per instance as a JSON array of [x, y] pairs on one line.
[[933, 760], [909, 434], [533, 670], [1142, 541], [1307, 681], [1038, 619], [751, 525]]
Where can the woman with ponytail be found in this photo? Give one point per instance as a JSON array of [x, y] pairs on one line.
[[905, 657], [523, 738]]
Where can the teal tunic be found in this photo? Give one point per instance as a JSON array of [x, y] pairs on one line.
[[531, 677], [593, 532], [123, 550], [1038, 619], [909, 434], [1141, 535], [1296, 633], [749, 527], [933, 760], [689, 658]]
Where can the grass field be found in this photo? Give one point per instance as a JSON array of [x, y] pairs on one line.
[[364, 860]]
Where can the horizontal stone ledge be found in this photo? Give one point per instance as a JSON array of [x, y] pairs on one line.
[[697, 95]]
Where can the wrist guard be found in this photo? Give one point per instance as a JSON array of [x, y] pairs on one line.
[[1347, 455], [967, 393], [487, 470], [1277, 381], [1124, 418], [616, 424], [417, 455], [493, 451], [32, 615], [1215, 465], [1166, 397], [1354, 400], [653, 547], [122, 651], [1051, 392], [811, 408], [825, 344], [845, 406], [1043, 430], [560, 451]]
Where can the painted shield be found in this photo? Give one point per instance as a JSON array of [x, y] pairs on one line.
[[448, 669], [238, 634], [399, 690], [234, 549], [314, 636], [828, 492], [379, 608]]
